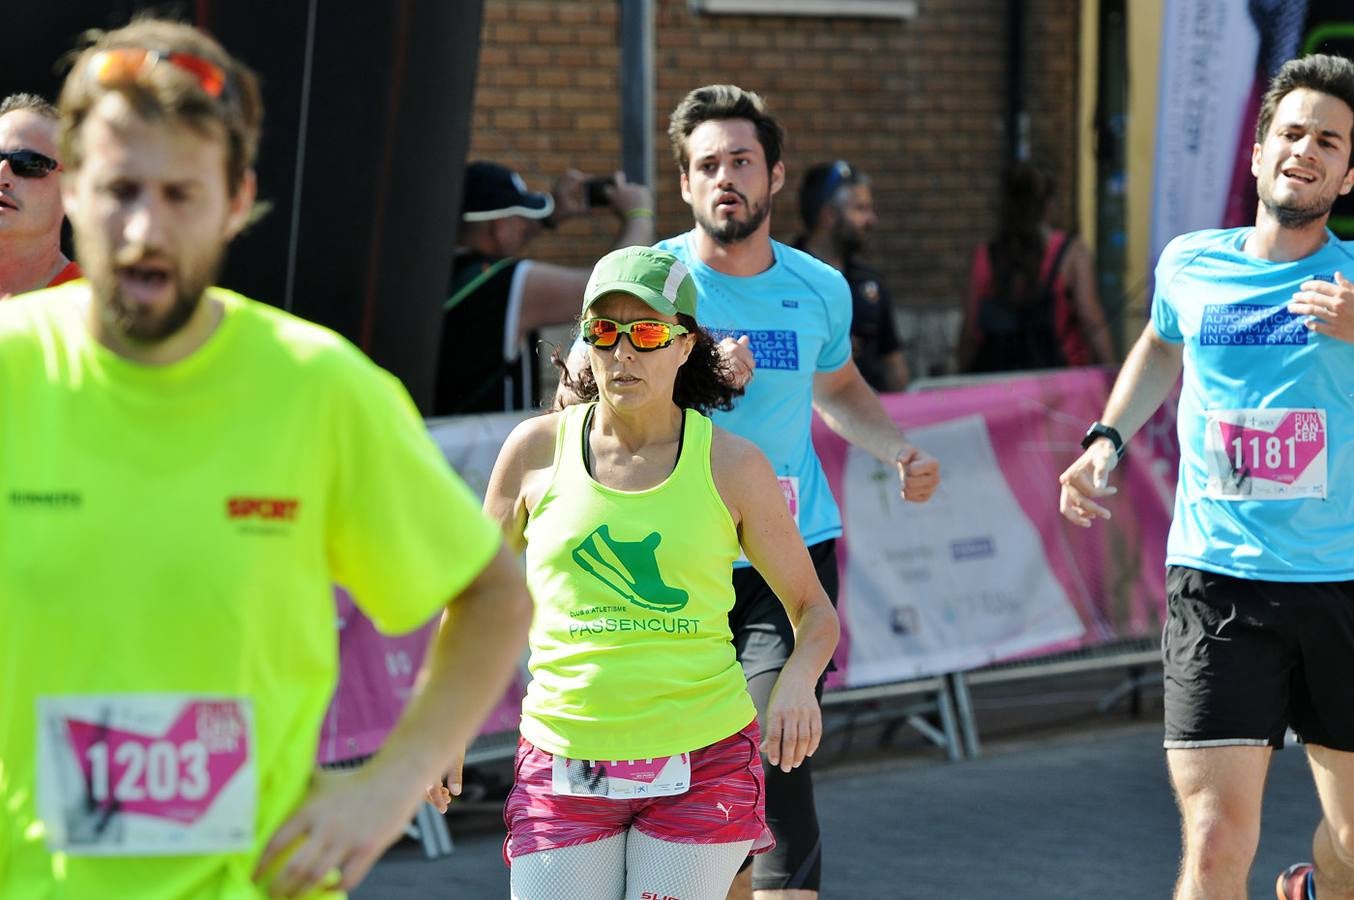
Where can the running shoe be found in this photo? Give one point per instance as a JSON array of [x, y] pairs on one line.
[[1295, 883]]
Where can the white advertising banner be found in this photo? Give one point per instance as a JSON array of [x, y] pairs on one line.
[[948, 585]]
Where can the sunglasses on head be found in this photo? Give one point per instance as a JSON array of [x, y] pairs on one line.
[[29, 163], [645, 334], [841, 173], [127, 64]]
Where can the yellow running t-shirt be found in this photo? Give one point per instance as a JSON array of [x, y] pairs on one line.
[[168, 541]]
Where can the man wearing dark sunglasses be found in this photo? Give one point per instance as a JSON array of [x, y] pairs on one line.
[[185, 474], [30, 198]]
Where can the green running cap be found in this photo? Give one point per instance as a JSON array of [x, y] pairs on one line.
[[655, 276]]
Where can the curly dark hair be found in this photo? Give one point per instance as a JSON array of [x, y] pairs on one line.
[[704, 382]]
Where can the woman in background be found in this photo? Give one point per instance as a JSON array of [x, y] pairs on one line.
[[1032, 301]]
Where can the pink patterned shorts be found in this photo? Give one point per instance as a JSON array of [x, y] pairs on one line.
[[725, 803]]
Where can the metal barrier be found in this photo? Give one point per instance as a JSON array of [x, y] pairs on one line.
[[1134, 654], [946, 697]]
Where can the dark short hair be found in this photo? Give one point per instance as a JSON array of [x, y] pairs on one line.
[[723, 101], [704, 382], [1321, 72], [166, 92], [31, 102]]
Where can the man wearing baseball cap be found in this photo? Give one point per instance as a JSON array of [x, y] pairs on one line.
[[497, 300], [836, 203]]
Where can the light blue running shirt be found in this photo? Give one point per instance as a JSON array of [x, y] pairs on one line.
[[797, 315], [1262, 397]]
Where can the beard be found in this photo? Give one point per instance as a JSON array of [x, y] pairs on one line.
[[133, 321], [1292, 214], [731, 230], [848, 241]]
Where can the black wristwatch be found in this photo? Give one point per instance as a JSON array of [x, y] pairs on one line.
[[1100, 430]]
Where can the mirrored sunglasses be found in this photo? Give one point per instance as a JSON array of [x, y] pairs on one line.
[[127, 64], [645, 334]]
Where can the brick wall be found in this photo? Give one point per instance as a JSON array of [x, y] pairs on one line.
[[919, 104]]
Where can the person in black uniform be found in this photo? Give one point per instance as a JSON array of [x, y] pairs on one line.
[[837, 207]]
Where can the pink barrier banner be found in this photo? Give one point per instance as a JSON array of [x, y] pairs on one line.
[[376, 672], [988, 570], [376, 675]]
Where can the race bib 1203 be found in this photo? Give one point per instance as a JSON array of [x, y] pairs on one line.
[[146, 774]]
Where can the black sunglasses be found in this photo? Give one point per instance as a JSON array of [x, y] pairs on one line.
[[29, 163]]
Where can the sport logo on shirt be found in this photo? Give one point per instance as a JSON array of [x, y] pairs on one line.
[[267, 509], [630, 568]]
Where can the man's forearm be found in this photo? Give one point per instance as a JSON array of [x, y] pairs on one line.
[[854, 412], [1150, 371], [638, 230]]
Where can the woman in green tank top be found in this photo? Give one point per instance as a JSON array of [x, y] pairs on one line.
[[639, 769]]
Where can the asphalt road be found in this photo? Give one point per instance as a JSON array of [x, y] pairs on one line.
[[1080, 816]]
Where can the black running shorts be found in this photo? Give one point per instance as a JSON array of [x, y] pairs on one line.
[[762, 636], [1245, 660]]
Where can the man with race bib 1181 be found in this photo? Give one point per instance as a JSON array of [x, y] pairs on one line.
[[1259, 630]]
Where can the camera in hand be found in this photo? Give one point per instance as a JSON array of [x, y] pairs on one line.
[[595, 191]]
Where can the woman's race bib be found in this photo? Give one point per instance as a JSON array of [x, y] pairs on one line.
[[1265, 454], [635, 779], [146, 774]]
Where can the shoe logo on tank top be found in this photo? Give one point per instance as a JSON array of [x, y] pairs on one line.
[[630, 568]]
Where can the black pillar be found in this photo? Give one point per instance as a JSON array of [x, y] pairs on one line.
[[367, 124]]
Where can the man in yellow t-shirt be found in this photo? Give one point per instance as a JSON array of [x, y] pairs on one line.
[[183, 475]]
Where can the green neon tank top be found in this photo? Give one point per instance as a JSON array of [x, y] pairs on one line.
[[631, 653]]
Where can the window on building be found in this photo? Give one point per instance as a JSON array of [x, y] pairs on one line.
[[883, 9]]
